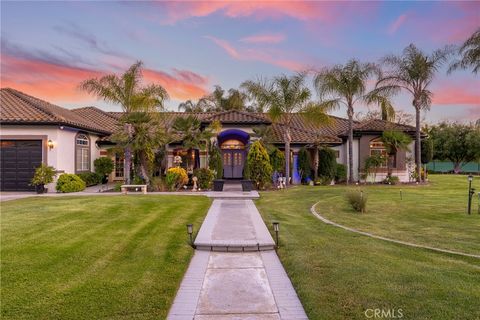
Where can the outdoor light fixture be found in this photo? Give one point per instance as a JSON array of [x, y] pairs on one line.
[[50, 144], [190, 232], [471, 192], [276, 228]]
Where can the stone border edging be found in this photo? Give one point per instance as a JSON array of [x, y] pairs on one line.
[[325, 220]]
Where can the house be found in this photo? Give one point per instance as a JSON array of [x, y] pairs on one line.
[[35, 131]]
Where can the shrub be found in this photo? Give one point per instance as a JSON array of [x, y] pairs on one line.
[[158, 184], [358, 200], [324, 181], [103, 166], [216, 162], [205, 177], [70, 183], [117, 187], [258, 164], [90, 178], [138, 180], [304, 166], [391, 180], [327, 164], [277, 160], [43, 175], [176, 178], [341, 175]]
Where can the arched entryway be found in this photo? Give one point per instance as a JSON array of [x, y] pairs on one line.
[[233, 144]]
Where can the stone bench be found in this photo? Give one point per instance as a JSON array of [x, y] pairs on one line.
[[125, 187]]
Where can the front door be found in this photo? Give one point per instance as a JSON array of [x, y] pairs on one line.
[[233, 161]]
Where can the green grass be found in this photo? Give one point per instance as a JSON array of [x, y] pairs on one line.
[[95, 257], [339, 274]]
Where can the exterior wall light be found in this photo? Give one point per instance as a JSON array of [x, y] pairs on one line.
[[190, 233], [276, 228], [50, 144]]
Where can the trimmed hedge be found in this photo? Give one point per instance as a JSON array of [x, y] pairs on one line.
[[205, 177], [90, 178], [327, 165], [258, 167], [341, 175], [70, 183]]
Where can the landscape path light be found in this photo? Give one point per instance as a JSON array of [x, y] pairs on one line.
[[471, 192], [276, 228], [190, 232]]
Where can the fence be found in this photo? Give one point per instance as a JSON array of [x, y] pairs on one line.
[[447, 166]]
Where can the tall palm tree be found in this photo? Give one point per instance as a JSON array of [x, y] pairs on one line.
[[284, 96], [393, 142], [190, 106], [470, 54], [126, 91], [346, 85], [413, 71]]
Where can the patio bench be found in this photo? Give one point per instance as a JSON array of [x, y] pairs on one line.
[[125, 187]]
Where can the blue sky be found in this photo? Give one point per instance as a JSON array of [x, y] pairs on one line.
[[188, 47]]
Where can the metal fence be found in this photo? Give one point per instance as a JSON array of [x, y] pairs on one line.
[[447, 166]]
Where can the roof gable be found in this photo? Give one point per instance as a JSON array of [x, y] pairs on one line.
[[237, 117]]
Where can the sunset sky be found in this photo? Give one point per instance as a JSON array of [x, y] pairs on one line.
[[47, 48]]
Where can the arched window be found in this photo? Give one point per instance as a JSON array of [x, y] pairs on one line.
[[82, 153], [377, 148]]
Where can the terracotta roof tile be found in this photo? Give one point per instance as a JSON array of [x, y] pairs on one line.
[[382, 125], [20, 108], [238, 117]]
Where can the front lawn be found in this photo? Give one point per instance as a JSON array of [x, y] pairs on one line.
[[341, 275], [115, 257]]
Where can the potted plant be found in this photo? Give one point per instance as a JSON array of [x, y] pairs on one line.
[[43, 175], [218, 184], [247, 185]]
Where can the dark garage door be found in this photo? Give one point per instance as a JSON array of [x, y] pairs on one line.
[[19, 158]]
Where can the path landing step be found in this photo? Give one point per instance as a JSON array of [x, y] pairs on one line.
[[234, 225]]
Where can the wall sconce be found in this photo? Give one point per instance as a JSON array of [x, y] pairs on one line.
[[50, 144]]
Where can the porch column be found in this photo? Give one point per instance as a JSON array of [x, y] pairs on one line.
[[296, 179]]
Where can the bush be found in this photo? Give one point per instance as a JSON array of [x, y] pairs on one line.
[[90, 178], [103, 166], [176, 178], [205, 177], [138, 180], [341, 175], [304, 167], [277, 160], [158, 184], [258, 164], [43, 175], [324, 181], [327, 164], [216, 162], [117, 187], [391, 180], [358, 200], [70, 183]]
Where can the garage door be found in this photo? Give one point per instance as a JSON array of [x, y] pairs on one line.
[[18, 161]]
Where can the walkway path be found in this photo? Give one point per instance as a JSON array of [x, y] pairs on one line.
[[235, 273]]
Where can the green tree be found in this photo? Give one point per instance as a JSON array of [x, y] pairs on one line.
[[457, 142], [258, 164], [327, 166], [284, 96], [304, 164], [277, 160], [215, 162], [413, 71], [372, 163], [393, 142], [346, 85], [469, 53], [127, 91]]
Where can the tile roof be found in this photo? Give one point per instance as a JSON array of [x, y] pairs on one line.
[[20, 108], [375, 125], [237, 117]]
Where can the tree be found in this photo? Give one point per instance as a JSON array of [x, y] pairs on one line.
[[218, 102], [126, 90], [400, 117], [277, 159], [346, 85], [284, 96], [190, 106], [469, 52], [304, 164], [327, 166], [393, 142], [459, 143], [258, 164], [413, 71], [373, 162]]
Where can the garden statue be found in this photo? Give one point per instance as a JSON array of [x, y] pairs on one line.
[[177, 160], [194, 179], [281, 182]]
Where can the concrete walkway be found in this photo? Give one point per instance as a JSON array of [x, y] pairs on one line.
[[235, 273]]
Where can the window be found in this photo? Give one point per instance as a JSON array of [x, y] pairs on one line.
[[119, 162], [377, 148], [82, 152]]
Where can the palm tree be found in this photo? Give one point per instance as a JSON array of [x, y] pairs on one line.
[[126, 91], [346, 85], [284, 96], [470, 54], [413, 71], [190, 106], [394, 141]]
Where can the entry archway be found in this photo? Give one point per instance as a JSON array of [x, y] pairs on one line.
[[233, 144]]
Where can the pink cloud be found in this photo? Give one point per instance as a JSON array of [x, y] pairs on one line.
[[269, 38], [181, 84], [465, 93], [267, 56], [397, 24]]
